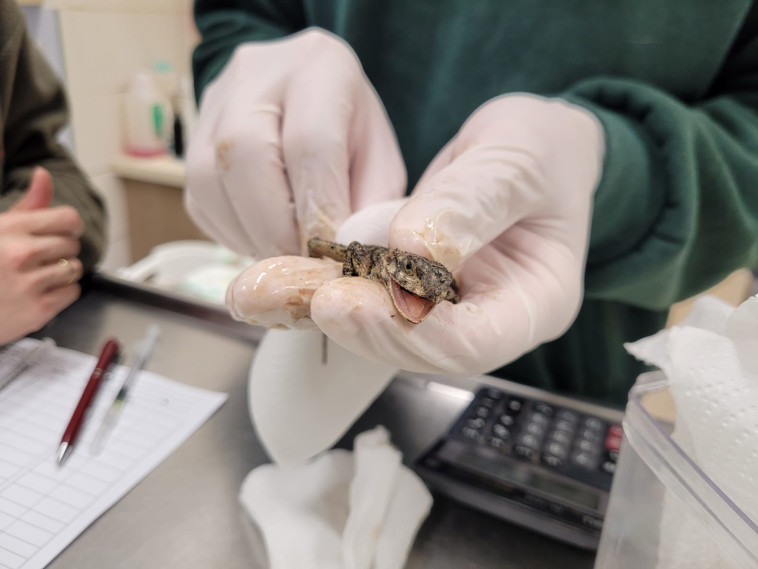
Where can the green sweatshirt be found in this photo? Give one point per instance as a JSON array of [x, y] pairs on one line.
[[32, 111], [674, 83]]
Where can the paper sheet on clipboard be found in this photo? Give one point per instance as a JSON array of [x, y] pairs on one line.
[[43, 507]]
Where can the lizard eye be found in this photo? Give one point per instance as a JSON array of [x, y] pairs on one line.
[[408, 265]]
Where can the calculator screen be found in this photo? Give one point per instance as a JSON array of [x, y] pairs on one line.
[[565, 492], [526, 477]]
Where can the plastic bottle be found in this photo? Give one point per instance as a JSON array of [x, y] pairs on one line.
[[149, 118], [185, 116], [187, 108]]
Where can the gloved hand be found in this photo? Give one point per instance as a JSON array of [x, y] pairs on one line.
[[291, 139], [506, 205], [35, 239]]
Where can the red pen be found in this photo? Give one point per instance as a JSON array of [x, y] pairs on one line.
[[107, 357]]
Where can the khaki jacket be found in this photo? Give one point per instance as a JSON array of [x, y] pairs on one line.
[[32, 111]]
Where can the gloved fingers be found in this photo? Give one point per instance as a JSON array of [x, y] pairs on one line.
[[315, 150], [250, 165], [443, 159], [204, 196], [468, 203], [517, 159], [358, 315], [508, 305], [370, 225], [377, 169], [277, 292], [339, 147]]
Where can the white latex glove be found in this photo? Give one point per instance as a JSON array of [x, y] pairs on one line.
[[506, 205], [291, 139], [342, 510]]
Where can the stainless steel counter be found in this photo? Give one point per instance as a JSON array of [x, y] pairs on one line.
[[186, 515]]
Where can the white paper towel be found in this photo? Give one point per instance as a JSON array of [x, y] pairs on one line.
[[710, 362], [341, 510], [298, 405]]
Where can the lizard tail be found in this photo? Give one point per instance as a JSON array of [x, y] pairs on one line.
[[319, 248]]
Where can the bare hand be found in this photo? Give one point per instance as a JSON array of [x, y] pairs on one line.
[[38, 265]]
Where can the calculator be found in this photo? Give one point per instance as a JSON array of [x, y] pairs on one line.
[[535, 459]]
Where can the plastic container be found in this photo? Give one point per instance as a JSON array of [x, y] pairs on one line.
[[196, 268], [149, 119], [654, 470]]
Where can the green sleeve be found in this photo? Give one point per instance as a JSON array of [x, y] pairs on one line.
[[225, 24], [33, 112], [677, 207]]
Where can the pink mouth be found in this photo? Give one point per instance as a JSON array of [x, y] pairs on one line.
[[411, 306]]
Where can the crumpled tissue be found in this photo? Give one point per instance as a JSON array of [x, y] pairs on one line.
[[341, 510], [711, 364]]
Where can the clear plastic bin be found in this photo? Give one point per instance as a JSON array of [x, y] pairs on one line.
[[195, 268], [650, 463]]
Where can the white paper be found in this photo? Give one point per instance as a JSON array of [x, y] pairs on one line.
[[300, 406], [43, 506]]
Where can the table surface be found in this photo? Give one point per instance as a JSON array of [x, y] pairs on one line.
[[185, 514]]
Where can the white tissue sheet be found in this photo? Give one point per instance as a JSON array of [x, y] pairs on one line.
[[341, 510], [298, 405], [710, 361]]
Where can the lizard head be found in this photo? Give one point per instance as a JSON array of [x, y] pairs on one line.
[[416, 284]]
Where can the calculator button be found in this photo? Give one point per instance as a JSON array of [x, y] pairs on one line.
[[616, 431], [613, 455], [487, 402], [536, 429], [501, 431], [476, 423], [482, 411], [470, 433], [524, 451], [552, 461], [539, 419], [495, 442], [563, 425], [608, 466], [585, 445], [561, 437], [589, 434], [494, 394], [529, 440], [556, 449], [507, 420], [593, 424], [514, 405], [612, 442], [568, 416], [543, 408], [586, 460]]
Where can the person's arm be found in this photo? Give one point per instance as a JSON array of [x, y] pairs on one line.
[[33, 106], [677, 208], [226, 24]]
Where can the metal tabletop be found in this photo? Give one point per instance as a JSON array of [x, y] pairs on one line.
[[186, 514]]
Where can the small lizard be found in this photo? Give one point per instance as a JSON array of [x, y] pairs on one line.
[[415, 284]]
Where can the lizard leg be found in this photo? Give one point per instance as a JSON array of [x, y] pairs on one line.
[[358, 261]]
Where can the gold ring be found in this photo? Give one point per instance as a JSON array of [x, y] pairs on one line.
[[71, 269]]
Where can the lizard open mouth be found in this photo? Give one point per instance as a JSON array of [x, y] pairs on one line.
[[412, 307]]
